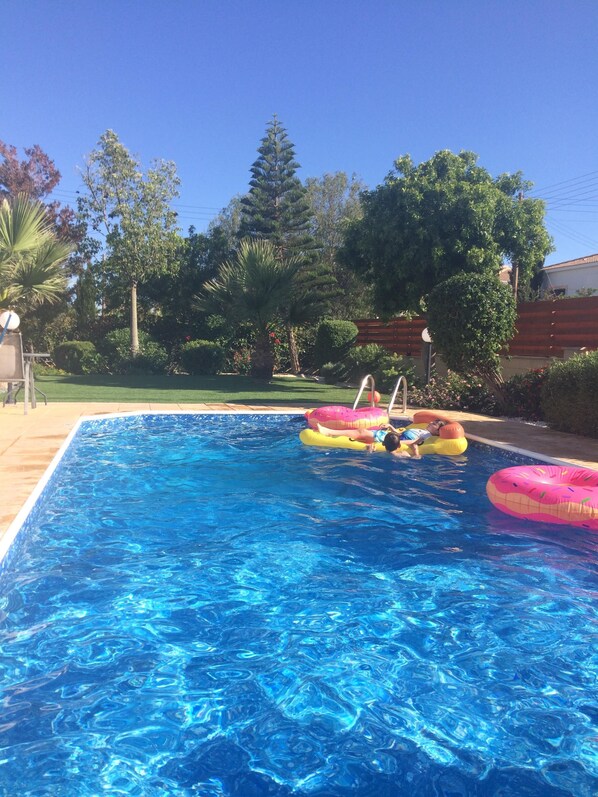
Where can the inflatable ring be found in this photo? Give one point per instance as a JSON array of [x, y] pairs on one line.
[[451, 440], [339, 417], [547, 493]]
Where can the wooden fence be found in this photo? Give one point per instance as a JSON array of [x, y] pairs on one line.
[[544, 329]]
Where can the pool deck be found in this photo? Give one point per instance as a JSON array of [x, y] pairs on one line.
[[28, 443]]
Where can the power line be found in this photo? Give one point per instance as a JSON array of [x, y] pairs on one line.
[[75, 194], [587, 193], [572, 190], [574, 209], [582, 178], [578, 237]]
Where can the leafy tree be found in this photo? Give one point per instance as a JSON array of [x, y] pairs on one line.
[[85, 303], [31, 255], [35, 177], [255, 286], [334, 201], [174, 316], [445, 216], [131, 214], [228, 222], [471, 318]]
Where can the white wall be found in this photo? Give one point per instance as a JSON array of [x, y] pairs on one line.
[[572, 276]]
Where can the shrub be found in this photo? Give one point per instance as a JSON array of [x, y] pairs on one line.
[[333, 341], [471, 318], [306, 340], [280, 348], [454, 392], [46, 328], [116, 345], [201, 357], [78, 357], [116, 348], [152, 360], [237, 344], [382, 364], [240, 360], [523, 395], [332, 373], [569, 395]]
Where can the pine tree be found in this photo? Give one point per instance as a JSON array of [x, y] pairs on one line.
[[277, 209]]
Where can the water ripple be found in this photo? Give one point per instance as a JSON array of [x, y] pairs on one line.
[[254, 617]]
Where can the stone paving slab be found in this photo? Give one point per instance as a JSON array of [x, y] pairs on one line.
[[581, 451], [28, 443]]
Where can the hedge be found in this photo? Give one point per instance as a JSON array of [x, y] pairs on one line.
[[569, 395]]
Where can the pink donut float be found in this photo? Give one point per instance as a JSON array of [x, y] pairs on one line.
[[547, 493], [338, 417]]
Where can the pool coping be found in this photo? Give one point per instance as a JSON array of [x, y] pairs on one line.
[[8, 537]]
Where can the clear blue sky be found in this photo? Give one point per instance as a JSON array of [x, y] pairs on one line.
[[356, 83]]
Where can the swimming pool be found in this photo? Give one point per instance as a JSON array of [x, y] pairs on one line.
[[200, 605]]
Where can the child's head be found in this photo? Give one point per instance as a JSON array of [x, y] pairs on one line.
[[434, 427], [391, 442]]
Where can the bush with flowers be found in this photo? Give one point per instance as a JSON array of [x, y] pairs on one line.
[[280, 348], [239, 361], [238, 348], [240, 344]]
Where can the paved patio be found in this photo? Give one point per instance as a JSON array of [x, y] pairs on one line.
[[28, 443]]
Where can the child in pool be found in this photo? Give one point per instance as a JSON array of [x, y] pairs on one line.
[[390, 437]]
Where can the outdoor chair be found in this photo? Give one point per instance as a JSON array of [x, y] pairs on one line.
[[13, 368]]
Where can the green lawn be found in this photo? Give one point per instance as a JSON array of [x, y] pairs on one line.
[[193, 389]]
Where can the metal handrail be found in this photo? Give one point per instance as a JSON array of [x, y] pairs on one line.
[[401, 380], [364, 382]]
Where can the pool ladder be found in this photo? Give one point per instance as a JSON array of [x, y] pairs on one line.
[[368, 381]]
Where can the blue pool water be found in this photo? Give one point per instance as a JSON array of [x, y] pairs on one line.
[[203, 606]]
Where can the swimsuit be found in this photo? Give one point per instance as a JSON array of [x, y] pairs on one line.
[[417, 435]]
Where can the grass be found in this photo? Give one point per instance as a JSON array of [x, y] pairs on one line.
[[291, 391]]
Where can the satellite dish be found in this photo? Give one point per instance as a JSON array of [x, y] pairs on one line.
[[426, 336]]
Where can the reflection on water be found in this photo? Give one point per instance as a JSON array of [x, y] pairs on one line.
[[205, 606]]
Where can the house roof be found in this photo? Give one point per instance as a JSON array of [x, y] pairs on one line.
[[580, 261]]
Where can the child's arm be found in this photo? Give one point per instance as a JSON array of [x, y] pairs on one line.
[[415, 451]]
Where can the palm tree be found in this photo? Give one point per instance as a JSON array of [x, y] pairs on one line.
[[31, 256], [255, 287]]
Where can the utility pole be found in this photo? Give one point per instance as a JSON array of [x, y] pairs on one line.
[[515, 267]]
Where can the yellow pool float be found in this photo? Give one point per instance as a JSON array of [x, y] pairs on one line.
[[450, 442]]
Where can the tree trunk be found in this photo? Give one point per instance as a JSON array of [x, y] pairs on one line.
[[262, 358], [293, 352], [496, 385], [134, 332]]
